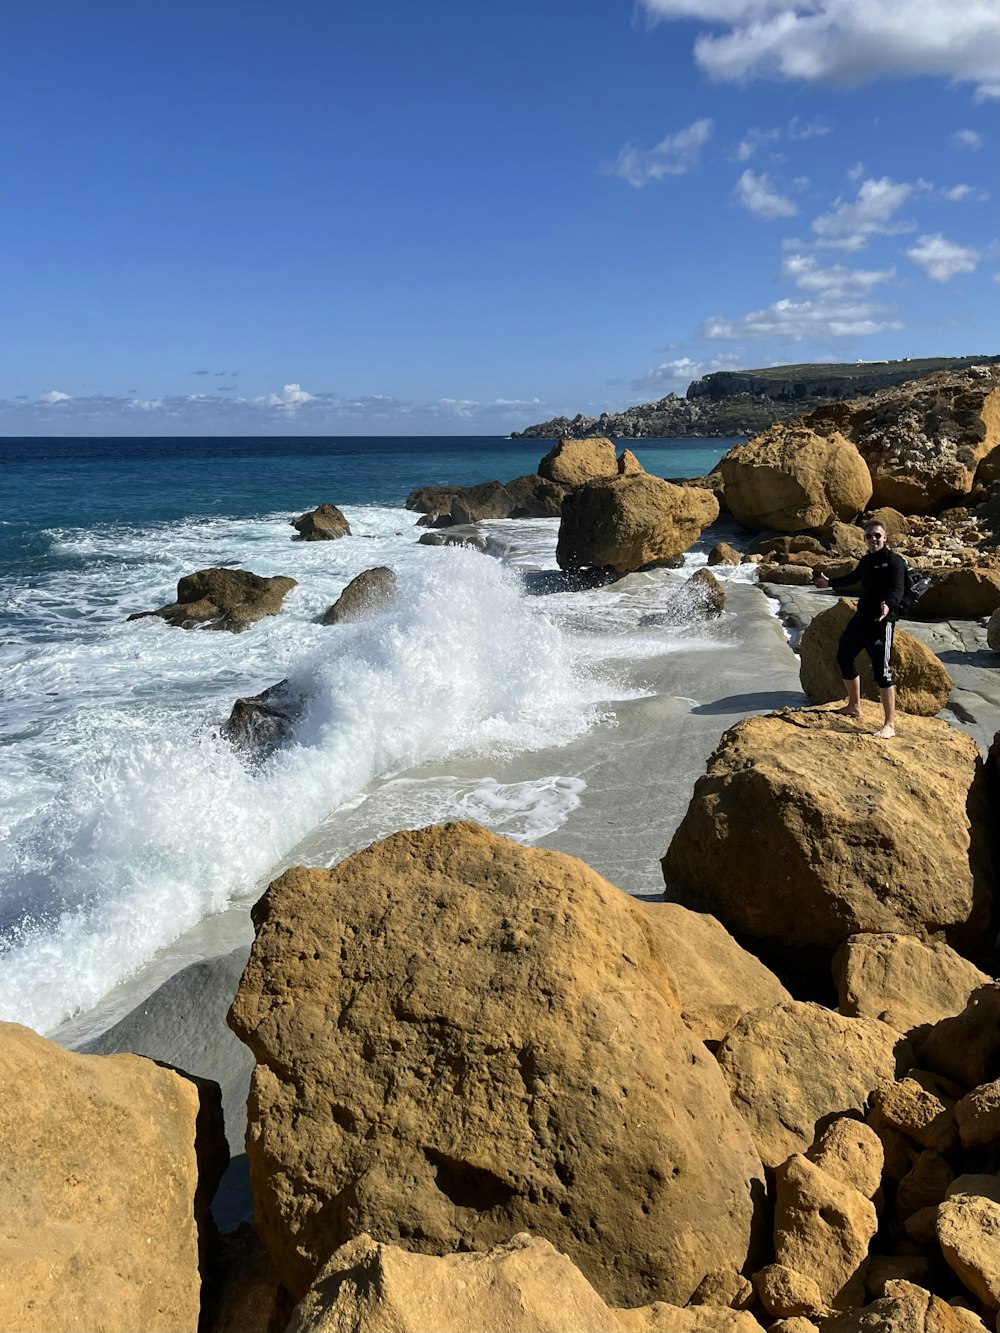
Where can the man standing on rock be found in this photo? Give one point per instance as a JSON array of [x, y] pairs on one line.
[[882, 575]]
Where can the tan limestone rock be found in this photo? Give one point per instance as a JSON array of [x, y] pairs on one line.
[[574, 462], [791, 479], [906, 1308], [795, 1065], [908, 983], [918, 1113], [922, 682], [968, 1231], [884, 1268], [924, 1186], [663, 1318], [966, 1048], [724, 1287], [518, 1287], [787, 1293], [822, 1229], [107, 1168], [796, 1323], [369, 594], [724, 554], [628, 464], [978, 1117], [851, 1152], [965, 593], [701, 597], [855, 835], [223, 599], [325, 523], [628, 522], [458, 1038], [794, 575], [716, 979]]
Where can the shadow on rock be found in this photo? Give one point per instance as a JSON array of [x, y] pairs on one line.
[[763, 700]]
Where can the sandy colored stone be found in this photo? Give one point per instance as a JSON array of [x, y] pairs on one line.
[[724, 554], [966, 1048], [223, 599], [927, 1119], [519, 1287], [724, 1287], [910, 984], [922, 682], [804, 832], [107, 1168], [788, 1294], [965, 593], [977, 1184], [921, 1226], [885, 1268], [369, 594], [796, 1323], [575, 462], [628, 464], [925, 1185], [794, 1065], [791, 478], [851, 1152], [325, 523], [822, 1229], [716, 979], [968, 1231], [978, 1117], [626, 523], [906, 1308], [661, 1317], [794, 574], [458, 1038]]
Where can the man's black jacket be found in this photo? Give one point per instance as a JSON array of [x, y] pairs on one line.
[[882, 575]]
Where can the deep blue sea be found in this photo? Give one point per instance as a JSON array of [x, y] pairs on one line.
[[126, 819]]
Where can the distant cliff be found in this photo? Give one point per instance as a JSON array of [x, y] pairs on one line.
[[746, 401]]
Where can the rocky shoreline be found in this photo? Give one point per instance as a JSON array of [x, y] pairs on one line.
[[488, 1089]]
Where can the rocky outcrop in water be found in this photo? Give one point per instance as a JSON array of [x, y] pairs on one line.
[[524, 497], [223, 599], [325, 523], [626, 522], [372, 592]]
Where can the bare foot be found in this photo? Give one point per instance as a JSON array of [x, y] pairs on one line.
[[885, 733], [848, 711]]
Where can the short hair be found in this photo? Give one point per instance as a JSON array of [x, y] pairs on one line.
[[876, 523]]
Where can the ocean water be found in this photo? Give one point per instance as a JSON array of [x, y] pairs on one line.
[[126, 818]]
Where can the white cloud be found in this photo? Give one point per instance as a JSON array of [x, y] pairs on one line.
[[849, 225], [957, 194], [291, 397], [674, 155], [757, 197], [844, 41], [54, 396], [966, 139], [753, 139], [675, 376], [942, 259], [838, 281], [794, 321]]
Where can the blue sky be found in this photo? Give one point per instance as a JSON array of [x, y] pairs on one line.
[[315, 218]]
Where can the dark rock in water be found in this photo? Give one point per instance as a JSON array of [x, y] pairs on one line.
[[724, 554], [535, 497], [229, 599], [523, 497], [261, 722], [325, 523], [373, 591], [702, 596], [464, 538], [541, 582]]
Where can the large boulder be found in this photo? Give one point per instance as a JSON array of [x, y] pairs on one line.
[[524, 497], [793, 1068], [791, 478], [908, 983], [631, 521], [107, 1169], [369, 594], [458, 1038], [906, 1308], [965, 593], [923, 685], [575, 462], [523, 1286], [260, 723], [717, 980], [803, 832], [227, 599], [325, 523]]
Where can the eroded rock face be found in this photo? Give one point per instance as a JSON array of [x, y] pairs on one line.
[[458, 1038], [628, 464], [968, 1231], [906, 1308], [922, 683], [793, 1067], [791, 478], [107, 1168], [908, 983], [575, 462], [522, 1286], [960, 594], [851, 838], [369, 594], [631, 521], [229, 599], [325, 523]]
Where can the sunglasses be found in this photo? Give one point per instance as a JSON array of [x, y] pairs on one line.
[[874, 536]]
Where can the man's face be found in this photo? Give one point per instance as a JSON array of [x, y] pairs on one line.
[[875, 537]]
